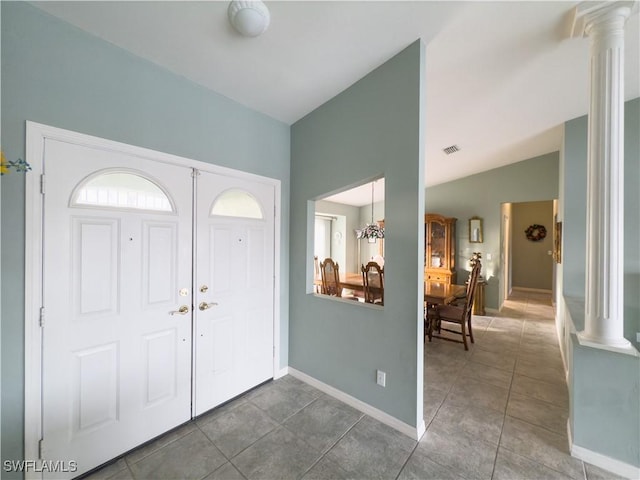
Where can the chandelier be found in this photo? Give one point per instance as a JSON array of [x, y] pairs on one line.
[[371, 231]]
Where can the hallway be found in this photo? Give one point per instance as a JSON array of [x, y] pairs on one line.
[[498, 411]]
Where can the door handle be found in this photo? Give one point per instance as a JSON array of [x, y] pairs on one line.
[[205, 305], [183, 310]]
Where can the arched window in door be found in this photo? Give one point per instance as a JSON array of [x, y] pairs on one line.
[[237, 203], [121, 189]]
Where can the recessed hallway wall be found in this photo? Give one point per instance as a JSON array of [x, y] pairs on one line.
[[532, 263]]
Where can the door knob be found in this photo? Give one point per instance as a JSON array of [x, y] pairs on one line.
[[183, 310], [205, 305]]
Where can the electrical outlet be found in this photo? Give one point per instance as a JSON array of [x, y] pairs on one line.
[[488, 257], [638, 337], [381, 378]]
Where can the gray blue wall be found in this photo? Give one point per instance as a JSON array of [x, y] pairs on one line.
[[573, 207], [531, 180], [373, 128], [632, 223], [605, 393], [575, 214], [56, 74], [604, 386]]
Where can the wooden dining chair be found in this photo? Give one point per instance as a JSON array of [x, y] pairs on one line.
[[454, 314], [329, 273], [373, 282], [460, 299], [317, 278]]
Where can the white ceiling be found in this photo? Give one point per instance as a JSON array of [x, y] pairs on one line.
[[501, 77], [361, 195]]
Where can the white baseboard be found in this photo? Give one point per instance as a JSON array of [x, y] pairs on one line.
[[607, 463], [414, 432], [280, 373], [536, 290]]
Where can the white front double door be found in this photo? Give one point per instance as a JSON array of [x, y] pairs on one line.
[[158, 297]]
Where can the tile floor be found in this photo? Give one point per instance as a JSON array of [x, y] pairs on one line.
[[498, 411]]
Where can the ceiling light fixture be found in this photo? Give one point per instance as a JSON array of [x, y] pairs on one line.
[[249, 18], [371, 231]]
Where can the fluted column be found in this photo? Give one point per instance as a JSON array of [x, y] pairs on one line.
[[604, 304]]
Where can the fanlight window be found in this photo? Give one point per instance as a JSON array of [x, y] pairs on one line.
[[122, 190], [237, 203]]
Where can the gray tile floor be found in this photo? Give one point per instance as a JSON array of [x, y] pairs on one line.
[[498, 411]]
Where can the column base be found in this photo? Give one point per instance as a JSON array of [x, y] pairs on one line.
[[613, 345]]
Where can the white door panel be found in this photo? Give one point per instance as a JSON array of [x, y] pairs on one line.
[[234, 337], [116, 365]]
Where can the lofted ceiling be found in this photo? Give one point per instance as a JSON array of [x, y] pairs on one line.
[[501, 77]]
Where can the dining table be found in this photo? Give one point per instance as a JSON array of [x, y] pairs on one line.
[[352, 281], [434, 292], [438, 292]]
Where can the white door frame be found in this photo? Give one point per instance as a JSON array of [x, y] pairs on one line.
[[505, 253], [35, 142]]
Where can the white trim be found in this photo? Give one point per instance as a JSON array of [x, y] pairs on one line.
[[34, 152], [561, 324], [586, 10], [81, 139], [36, 134], [281, 373], [412, 432], [627, 349], [276, 280], [527, 289], [609, 464]]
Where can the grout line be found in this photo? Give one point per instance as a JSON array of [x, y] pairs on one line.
[[130, 463], [544, 464], [562, 435], [584, 470], [408, 457], [324, 454], [216, 447], [525, 319]]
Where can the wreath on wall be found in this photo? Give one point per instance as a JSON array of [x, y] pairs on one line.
[[535, 232]]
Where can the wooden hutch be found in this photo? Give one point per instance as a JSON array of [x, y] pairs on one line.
[[440, 248]]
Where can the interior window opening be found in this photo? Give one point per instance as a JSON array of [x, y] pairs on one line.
[[348, 242]]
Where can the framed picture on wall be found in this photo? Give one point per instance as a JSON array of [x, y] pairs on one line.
[[557, 241]]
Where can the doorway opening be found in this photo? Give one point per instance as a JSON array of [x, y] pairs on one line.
[[527, 260]]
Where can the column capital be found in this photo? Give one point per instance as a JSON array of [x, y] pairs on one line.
[[588, 13]]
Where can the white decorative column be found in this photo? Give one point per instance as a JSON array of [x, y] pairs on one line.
[[603, 23]]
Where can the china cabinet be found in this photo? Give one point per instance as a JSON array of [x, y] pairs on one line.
[[440, 248]]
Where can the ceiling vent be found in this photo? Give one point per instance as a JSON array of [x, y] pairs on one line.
[[451, 149]]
